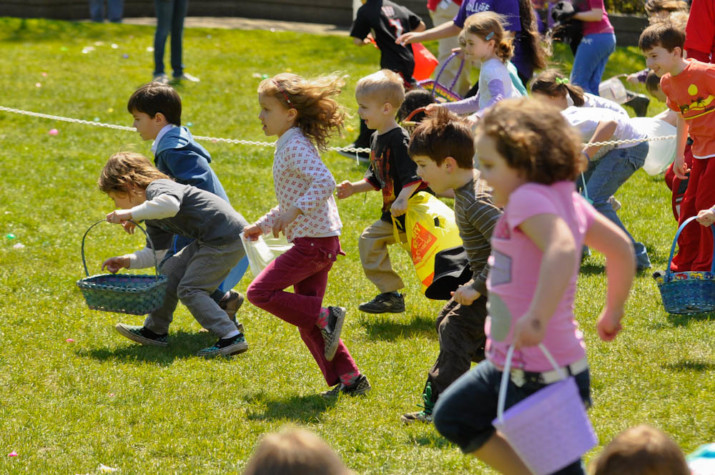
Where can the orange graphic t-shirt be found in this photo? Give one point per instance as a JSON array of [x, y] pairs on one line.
[[692, 94]]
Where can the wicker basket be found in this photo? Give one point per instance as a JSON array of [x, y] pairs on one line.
[[439, 91], [687, 292], [123, 293], [410, 125]]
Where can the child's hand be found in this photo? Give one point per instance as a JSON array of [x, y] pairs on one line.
[[680, 168], [706, 217], [119, 216], [432, 109], [284, 219], [399, 207], [609, 324], [632, 78], [528, 331], [113, 264], [252, 232], [407, 38], [129, 226], [465, 294], [344, 190]]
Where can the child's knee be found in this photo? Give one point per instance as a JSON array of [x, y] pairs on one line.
[[258, 295]]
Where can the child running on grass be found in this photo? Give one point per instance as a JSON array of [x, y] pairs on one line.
[[143, 193], [530, 157], [303, 113]]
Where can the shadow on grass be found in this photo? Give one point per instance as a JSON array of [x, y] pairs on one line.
[[690, 365], [296, 408], [36, 30], [432, 439], [677, 320], [181, 345], [383, 328]]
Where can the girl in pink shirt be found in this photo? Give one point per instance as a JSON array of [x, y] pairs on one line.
[[530, 157], [303, 114]]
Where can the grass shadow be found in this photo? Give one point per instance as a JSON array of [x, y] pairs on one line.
[[37, 30], [432, 439], [382, 328], [181, 345], [305, 409], [681, 320], [690, 365]]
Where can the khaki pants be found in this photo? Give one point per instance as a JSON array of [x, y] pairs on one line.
[[375, 257], [440, 16]]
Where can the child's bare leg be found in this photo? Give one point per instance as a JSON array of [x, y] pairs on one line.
[[498, 454]]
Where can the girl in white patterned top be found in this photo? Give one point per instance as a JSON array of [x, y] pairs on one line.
[[303, 114]]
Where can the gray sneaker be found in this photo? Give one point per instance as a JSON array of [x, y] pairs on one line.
[[225, 347], [331, 332], [142, 335], [161, 79], [358, 388], [388, 302], [230, 303]]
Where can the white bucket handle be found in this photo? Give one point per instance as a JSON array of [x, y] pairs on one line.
[[506, 376]]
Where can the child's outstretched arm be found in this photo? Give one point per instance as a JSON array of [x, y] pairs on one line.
[[553, 237], [604, 131], [347, 188], [399, 206], [610, 240]]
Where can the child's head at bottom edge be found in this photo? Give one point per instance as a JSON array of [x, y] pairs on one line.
[[524, 140], [641, 450], [294, 451], [125, 176]]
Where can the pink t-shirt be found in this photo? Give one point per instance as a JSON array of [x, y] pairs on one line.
[[514, 272]]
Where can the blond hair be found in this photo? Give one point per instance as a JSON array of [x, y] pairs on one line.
[[384, 86], [294, 452], [319, 114], [126, 170], [488, 26]]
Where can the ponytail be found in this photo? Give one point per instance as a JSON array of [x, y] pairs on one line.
[[530, 36]]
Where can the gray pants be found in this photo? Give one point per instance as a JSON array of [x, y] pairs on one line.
[[194, 273]]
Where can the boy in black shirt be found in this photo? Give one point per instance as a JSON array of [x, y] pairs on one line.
[[386, 21], [379, 95]]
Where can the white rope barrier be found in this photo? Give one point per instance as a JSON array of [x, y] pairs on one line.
[[268, 144]]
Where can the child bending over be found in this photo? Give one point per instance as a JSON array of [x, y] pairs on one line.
[[143, 193], [530, 157], [303, 113]]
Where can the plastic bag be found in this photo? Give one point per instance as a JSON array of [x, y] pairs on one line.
[[433, 242], [263, 250], [661, 153]]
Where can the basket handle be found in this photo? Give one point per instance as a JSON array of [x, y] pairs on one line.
[[675, 241], [414, 113], [442, 68], [84, 261], [506, 376]]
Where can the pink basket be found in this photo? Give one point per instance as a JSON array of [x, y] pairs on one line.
[[550, 429]]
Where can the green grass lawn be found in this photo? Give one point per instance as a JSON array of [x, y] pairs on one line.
[[74, 394]]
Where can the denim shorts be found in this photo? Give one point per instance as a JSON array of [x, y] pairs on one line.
[[465, 411]]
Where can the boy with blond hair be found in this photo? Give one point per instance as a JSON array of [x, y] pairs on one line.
[[379, 96], [689, 86]]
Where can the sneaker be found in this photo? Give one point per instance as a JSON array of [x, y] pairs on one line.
[[361, 156], [142, 335], [615, 204], [186, 77], [388, 302], [424, 415], [638, 102], [331, 332], [161, 79], [225, 347], [358, 388], [230, 303]]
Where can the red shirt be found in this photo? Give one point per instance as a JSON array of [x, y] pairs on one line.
[[700, 32], [432, 4], [692, 94]]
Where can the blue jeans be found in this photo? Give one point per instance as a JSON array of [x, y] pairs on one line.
[[605, 176], [115, 8], [465, 411], [590, 61], [170, 16]]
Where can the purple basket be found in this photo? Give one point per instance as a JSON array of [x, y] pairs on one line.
[[550, 429], [439, 91]]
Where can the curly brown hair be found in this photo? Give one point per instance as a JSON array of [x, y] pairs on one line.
[[535, 139], [125, 170], [319, 114]]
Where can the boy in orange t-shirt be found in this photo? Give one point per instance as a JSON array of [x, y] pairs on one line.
[[690, 89]]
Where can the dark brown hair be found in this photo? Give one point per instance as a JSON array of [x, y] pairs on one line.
[[154, 98], [664, 34], [552, 83], [443, 135], [319, 114], [125, 170], [641, 450], [652, 83], [535, 139]]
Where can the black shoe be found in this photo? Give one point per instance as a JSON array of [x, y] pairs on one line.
[[639, 103], [389, 302], [331, 332], [225, 347], [358, 388], [142, 335]]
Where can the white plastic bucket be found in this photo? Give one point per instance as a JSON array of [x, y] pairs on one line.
[[661, 153], [614, 90], [263, 250], [550, 429]]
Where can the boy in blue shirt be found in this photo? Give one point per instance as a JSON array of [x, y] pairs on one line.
[[156, 109]]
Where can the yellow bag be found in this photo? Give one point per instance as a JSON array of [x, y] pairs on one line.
[[433, 242]]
